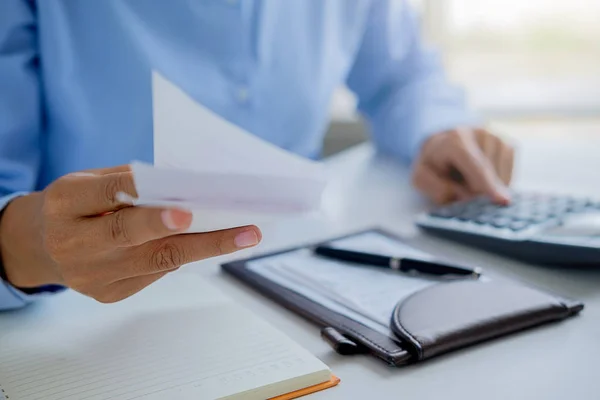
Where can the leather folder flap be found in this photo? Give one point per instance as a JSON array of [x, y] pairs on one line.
[[449, 316]]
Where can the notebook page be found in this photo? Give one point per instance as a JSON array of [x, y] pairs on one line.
[[162, 343]]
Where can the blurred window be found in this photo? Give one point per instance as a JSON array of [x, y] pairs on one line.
[[521, 57], [531, 62]]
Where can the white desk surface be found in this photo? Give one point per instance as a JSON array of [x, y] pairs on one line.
[[558, 361]]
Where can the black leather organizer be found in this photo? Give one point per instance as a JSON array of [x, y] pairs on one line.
[[438, 319]]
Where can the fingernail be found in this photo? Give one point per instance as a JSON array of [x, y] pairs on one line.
[[504, 194], [176, 220], [246, 239]]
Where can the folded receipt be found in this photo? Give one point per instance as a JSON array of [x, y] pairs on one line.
[[227, 176]]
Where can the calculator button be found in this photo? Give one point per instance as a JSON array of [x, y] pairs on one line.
[[507, 212], [578, 205], [556, 213], [519, 225], [501, 222], [469, 215], [517, 196], [559, 199], [451, 211], [539, 218], [484, 219], [490, 210], [478, 202], [447, 212], [561, 206], [442, 213], [522, 216]]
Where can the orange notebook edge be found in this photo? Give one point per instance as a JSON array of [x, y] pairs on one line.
[[309, 390]]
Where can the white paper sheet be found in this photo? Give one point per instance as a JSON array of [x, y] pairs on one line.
[[368, 295], [228, 176]]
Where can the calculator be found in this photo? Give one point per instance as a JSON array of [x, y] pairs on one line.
[[535, 227]]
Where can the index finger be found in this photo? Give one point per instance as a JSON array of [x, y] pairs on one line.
[[174, 251], [108, 170], [478, 172], [91, 195]]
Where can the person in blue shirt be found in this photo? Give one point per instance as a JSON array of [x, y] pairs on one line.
[[75, 109]]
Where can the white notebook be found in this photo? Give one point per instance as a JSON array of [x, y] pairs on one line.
[[178, 339]]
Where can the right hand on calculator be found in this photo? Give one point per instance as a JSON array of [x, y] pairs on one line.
[[463, 163]]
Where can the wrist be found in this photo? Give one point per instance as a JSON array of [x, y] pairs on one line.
[[21, 248]]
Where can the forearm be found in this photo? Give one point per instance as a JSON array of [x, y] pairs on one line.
[[10, 297], [21, 249], [25, 273]]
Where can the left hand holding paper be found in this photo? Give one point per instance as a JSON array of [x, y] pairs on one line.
[[76, 233]]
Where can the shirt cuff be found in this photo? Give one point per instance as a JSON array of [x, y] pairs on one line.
[[11, 297]]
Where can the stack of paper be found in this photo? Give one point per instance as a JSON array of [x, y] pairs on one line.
[[367, 295], [228, 176]]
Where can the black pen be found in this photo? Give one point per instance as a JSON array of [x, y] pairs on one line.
[[404, 264]]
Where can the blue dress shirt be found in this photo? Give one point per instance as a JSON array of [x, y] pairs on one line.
[[75, 78]]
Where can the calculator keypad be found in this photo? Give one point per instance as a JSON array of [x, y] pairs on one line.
[[525, 211]]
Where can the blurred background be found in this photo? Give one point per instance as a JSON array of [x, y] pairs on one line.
[[529, 66]]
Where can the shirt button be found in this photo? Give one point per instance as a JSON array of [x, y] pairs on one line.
[[243, 94]]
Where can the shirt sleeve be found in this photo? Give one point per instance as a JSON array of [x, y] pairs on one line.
[[20, 115], [400, 83]]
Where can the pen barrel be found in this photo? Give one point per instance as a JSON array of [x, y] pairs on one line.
[[433, 268], [402, 264], [353, 256]]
